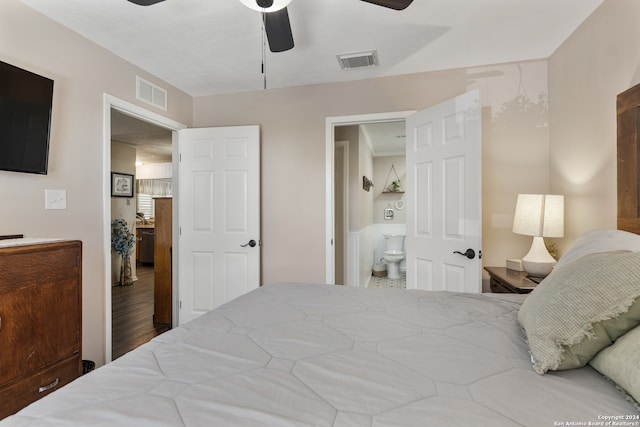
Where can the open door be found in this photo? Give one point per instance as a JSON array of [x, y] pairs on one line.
[[219, 214], [444, 181]]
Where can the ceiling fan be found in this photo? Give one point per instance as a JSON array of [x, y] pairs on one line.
[[276, 18]]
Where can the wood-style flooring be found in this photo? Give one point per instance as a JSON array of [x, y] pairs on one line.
[[132, 313]]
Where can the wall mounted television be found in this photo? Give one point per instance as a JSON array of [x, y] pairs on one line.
[[25, 120]]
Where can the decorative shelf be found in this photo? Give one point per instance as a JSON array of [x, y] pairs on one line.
[[395, 186]]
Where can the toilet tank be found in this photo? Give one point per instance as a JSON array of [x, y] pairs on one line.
[[394, 242]]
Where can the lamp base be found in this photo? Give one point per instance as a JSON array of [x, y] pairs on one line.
[[538, 261]]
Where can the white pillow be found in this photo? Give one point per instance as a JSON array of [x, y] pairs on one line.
[[620, 362], [598, 241], [581, 308]]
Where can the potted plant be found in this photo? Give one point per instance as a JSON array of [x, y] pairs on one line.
[[122, 241]]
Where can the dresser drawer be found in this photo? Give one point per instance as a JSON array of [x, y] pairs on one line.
[[20, 393]]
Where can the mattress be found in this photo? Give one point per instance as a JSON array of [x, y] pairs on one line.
[[321, 355]]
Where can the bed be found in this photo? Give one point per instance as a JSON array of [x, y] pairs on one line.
[[320, 355]]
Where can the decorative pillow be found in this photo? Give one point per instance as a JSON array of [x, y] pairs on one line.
[[598, 241], [581, 308], [621, 363]]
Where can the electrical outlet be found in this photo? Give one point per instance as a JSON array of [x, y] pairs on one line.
[[55, 199]]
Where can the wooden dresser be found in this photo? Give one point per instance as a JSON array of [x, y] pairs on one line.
[[40, 319]]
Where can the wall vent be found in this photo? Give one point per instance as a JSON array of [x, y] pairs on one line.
[[358, 60], [151, 94]]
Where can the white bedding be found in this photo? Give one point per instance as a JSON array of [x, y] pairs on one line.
[[319, 355]]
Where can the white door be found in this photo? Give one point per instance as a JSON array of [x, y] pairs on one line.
[[444, 212], [219, 215]]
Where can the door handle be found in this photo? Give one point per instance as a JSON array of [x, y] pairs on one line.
[[251, 243], [469, 253]]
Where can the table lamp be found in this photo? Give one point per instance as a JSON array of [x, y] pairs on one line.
[[539, 215]]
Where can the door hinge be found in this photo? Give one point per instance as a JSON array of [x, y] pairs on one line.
[[180, 304]]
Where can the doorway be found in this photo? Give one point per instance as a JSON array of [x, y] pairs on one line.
[[136, 116], [346, 270], [375, 152], [143, 150]]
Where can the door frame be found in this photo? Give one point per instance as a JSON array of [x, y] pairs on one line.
[[125, 107], [330, 125]]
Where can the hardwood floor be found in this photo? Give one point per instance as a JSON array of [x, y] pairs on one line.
[[132, 314]]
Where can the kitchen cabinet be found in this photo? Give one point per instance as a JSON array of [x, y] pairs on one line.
[[162, 294]]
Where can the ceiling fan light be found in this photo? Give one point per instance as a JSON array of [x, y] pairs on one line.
[[277, 5]]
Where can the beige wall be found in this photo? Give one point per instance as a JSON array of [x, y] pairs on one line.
[[82, 72], [600, 60], [292, 120]]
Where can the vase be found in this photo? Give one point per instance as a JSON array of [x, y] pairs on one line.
[[125, 271]]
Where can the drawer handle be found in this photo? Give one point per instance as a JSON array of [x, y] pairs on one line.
[[49, 386]]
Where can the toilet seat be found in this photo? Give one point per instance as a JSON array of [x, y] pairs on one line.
[[394, 256]]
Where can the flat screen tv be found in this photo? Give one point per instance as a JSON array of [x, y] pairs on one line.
[[25, 120]]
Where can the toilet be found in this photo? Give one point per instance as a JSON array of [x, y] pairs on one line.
[[394, 254]]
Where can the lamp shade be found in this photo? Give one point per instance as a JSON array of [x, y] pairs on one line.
[[540, 215], [277, 5]]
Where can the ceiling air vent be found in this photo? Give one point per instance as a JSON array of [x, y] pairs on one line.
[[358, 60], [150, 93]]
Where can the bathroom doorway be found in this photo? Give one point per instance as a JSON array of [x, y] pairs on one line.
[[368, 152]]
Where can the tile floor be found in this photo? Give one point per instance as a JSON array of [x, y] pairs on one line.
[[385, 282]]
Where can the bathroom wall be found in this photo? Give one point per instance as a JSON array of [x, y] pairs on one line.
[[367, 241], [383, 176], [365, 167]]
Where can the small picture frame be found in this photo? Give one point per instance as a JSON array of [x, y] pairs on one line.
[[121, 184]]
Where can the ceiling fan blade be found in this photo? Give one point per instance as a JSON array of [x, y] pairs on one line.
[[145, 2], [278, 29], [391, 4]]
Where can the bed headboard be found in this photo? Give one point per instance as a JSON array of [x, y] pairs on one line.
[[628, 117]]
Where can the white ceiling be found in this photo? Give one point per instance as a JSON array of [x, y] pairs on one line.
[[215, 46]]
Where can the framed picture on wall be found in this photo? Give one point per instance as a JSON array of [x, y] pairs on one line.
[[121, 184]]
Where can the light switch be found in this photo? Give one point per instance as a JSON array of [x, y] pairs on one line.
[[55, 199]]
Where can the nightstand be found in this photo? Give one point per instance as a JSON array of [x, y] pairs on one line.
[[504, 280]]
